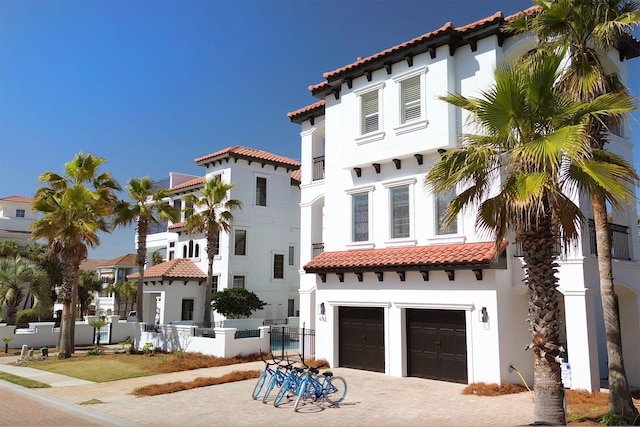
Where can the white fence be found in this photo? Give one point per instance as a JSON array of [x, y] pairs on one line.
[[45, 334], [170, 338]]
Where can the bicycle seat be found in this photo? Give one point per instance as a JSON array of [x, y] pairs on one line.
[[327, 373], [298, 370], [314, 370]]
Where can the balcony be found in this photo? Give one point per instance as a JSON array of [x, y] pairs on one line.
[[620, 245], [317, 249], [318, 168]]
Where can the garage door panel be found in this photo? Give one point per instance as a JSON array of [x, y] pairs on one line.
[[361, 338], [436, 344]]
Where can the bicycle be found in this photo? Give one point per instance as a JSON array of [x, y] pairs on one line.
[[266, 372], [289, 385], [277, 379], [323, 387]]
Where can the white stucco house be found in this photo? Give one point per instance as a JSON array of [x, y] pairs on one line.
[[260, 253], [15, 218], [109, 272], [384, 286]]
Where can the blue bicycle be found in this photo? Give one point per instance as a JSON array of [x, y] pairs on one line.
[[268, 371], [323, 387]]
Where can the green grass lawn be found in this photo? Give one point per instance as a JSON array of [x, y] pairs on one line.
[[107, 367], [24, 382]]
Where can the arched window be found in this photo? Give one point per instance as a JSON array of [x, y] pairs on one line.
[[197, 254], [190, 248], [184, 251]]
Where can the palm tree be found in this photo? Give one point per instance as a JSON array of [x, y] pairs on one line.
[[148, 205], [20, 277], [527, 134], [591, 29], [98, 324], [76, 207], [126, 290], [210, 214]]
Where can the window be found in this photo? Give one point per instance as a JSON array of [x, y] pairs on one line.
[[442, 200], [216, 244], [187, 309], [214, 284], [400, 219], [290, 308], [370, 115], [360, 217], [238, 282], [261, 191], [188, 206], [240, 242], [196, 253], [292, 251], [278, 266], [410, 99], [184, 251], [177, 204], [171, 255], [20, 213]]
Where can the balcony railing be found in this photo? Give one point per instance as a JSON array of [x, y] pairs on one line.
[[318, 168], [619, 235], [317, 249], [620, 245]]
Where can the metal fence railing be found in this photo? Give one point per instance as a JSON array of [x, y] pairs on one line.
[[287, 340]]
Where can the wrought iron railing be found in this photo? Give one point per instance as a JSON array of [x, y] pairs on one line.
[[619, 235], [318, 168], [317, 249], [620, 244]]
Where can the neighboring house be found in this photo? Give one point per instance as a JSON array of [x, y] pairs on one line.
[[15, 218], [110, 272], [386, 287], [260, 252]]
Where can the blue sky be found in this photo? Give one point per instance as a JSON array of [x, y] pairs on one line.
[[151, 85]]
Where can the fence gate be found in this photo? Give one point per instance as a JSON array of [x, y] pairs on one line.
[[290, 341], [104, 333]]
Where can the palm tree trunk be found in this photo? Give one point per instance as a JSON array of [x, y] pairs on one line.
[[620, 401], [539, 256], [74, 314], [65, 346], [141, 258], [207, 293]]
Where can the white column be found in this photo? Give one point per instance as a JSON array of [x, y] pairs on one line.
[[581, 339]]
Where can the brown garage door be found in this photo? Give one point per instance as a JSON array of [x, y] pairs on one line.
[[437, 345], [361, 337]]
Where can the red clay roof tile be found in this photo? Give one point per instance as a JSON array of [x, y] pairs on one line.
[[238, 151], [297, 175], [307, 109], [187, 184], [176, 225], [127, 259], [21, 199], [180, 268], [413, 258]]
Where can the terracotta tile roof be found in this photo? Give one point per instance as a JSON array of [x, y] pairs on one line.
[[91, 264], [176, 225], [297, 175], [191, 183], [240, 152], [21, 199], [180, 268], [128, 259], [308, 108], [413, 258]]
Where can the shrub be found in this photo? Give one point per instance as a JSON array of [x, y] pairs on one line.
[[484, 389]]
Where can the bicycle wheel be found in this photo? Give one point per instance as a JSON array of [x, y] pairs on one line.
[[284, 389], [258, 388], [270, 385], [335, 389], [302, 394]]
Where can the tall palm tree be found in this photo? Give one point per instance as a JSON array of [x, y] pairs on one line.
[[590, 29], [76, 207], [20, 277], [148, 205], [513, 170], [210, 214]]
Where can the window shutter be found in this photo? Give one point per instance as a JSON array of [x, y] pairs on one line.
[[411, 99], [370, 112]]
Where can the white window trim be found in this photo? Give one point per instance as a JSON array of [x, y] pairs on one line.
[[257, 175], [421, 122], [375, 135], [401, 241], [457, 237], [367, 244], [236, 273], [284, 264], [246, 241]]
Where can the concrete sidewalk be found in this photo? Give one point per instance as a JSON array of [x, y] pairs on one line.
[[54, 380]]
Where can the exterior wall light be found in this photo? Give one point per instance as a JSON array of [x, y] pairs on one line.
[[484, 316]]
